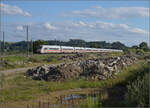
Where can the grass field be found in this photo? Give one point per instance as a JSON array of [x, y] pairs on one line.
[[22, 88], [12, 62]]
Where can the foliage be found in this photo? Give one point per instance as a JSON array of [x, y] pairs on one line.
[[134, 47], [2, 80], [24, 88], [37, 43], [118, 45], [138, 89], [140, 52], [135, 51], [76, 42], [95, 45], [91, 102], [144, 46]]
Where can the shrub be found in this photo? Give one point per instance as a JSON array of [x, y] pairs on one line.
[[32, 59], [140, 52], [138, 90]]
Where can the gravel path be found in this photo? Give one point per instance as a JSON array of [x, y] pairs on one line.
[[17, 70]]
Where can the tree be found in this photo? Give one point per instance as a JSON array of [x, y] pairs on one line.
[[94, 45], [144, 46], [37, 43], [118, 45], [76, 42], [135, 47]]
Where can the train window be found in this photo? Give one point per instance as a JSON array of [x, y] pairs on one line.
[[53, 48], [67, 49], [79, 49], [45, 48]]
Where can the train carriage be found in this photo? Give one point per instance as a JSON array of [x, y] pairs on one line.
[[79, 49], [67, 49], [49, 49]]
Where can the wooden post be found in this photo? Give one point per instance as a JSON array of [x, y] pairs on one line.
[[28, 106], [48, 103], [95, 96], [32, 106], [61, 99], [43, 105], [4, 104], [72, 99], [39, 104]]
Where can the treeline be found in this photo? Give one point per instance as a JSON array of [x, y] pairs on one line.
[[33, 45]]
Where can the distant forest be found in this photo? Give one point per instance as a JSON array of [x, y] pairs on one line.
[[22, 45]]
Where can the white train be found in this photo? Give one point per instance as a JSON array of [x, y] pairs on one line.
[[44, 49]]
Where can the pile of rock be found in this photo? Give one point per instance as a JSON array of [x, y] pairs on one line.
[[98, 69]]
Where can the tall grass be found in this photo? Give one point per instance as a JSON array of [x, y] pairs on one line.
[[138, 89], [24, 88], [11, 62], [136, 79], [91, 102]]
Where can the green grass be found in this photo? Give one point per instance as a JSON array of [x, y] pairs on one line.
[[116, 53], [39, 58], [90, 102], [15, 58], [24, 61], [136, 86], [138, 89], [23, 88]]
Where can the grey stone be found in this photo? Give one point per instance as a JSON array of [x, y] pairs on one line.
[[95, 69]]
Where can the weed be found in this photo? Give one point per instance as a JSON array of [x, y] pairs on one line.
[[138, 89], [24, 88]]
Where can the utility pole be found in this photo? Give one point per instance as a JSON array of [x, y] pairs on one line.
[[0, 44], [27, 41], [3, 43], [55, 42], [31, 47]]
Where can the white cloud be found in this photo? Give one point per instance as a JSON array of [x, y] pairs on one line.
[[79, 24], [111, 13], [13, 10], [89, 31], [20, 28], [138, 30], [49, 26]]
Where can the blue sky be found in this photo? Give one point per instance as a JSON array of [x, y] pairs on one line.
[[125, 21]]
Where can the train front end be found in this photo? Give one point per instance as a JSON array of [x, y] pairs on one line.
[[39, 49]]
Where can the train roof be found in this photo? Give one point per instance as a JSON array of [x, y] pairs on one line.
[[67, 47], [79, 47], [51, 46]]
